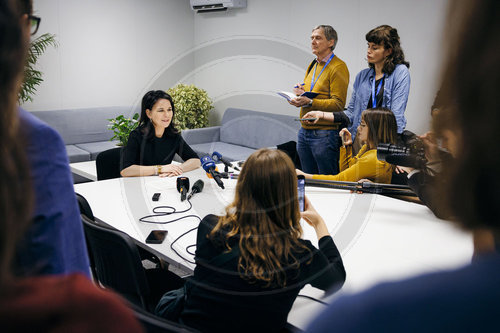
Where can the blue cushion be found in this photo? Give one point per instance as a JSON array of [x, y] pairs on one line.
[[95, 148], [76, 154], [201, 135], [227, 150], [83, 125], [257, 129]]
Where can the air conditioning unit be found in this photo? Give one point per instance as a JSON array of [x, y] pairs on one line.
[[203, 6]]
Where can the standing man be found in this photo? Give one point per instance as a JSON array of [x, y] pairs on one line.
[[318, 143]]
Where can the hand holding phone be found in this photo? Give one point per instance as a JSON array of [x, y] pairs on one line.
[[346, 137], [156, 237], [306, 119]]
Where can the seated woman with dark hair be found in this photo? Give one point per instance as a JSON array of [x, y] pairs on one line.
[[152, 145], [251, 263], [377, 126]]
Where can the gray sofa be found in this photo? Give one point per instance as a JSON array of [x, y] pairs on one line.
[[242, 132], [84, 131]]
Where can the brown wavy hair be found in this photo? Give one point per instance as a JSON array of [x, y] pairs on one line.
[[265, 217], [382, 127], [388, 37], [471, 82], [15, 189]]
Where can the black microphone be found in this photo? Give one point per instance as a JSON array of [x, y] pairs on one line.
[[228, 175], [209, 166], [197, 188], [217, 157], [183, 186]]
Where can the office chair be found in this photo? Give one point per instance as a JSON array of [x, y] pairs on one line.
[[155, 324], [117, 263], [108, 164], [84, 206], [87, 211], [290, 148]]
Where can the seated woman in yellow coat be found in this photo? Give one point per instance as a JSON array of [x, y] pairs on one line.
[[377, 125]]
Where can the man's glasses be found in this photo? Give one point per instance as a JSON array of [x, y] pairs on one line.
[[34, 23]]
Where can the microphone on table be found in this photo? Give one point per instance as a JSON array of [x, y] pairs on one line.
[[217, 157], [228, 175], [197, 188], [183, 186], [209, 166]]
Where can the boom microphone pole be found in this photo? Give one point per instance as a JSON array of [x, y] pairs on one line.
[[365, 187]]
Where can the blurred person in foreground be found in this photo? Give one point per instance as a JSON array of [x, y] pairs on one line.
[[68, 303], [54, 242], [466, 299]]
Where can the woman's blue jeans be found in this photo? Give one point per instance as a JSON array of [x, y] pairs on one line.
[[319, 151]]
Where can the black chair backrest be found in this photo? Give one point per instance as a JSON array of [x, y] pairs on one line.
[[87, 211], [84, 206], [290, 148], [117, 262], [108, 164]]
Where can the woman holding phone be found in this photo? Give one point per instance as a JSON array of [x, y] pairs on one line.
[[251, 263], [377, 126]]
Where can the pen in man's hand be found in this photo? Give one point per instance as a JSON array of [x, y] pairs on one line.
[[298, 86]]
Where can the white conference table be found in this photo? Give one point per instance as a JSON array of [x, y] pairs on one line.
[[85, 169], [380, 238]]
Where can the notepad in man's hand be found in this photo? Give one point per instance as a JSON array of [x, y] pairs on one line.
[[289, 96]]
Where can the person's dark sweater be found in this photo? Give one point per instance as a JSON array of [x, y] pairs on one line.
[[155, 151], [426, 187], [220, 300]]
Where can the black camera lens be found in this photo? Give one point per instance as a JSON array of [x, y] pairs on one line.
[[385, 149]]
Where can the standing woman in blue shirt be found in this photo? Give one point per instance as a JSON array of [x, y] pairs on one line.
[[386, 83]]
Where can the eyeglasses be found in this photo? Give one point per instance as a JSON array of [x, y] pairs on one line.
[[34, 23]]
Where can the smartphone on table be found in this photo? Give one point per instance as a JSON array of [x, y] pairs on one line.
[[156, 237], [301, 191]]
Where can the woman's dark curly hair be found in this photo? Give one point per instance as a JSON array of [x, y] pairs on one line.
[[388, 37]]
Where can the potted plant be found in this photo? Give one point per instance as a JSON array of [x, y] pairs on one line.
[[192, 106], [33, 77], [122, 127]]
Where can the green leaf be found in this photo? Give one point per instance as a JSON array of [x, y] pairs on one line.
[[122, 127], [192, 106], [33, 77]]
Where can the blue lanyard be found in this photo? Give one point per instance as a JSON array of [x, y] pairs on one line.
[[313, 82], [374, 94]]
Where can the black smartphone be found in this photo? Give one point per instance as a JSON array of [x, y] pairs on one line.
[[301, 184], [305, 119], [156, 237]]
